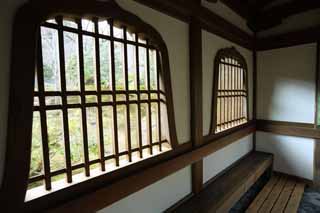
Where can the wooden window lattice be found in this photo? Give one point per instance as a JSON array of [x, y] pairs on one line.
[[230, 91], [142, 95]]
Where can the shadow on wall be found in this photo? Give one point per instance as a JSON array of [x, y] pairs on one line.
[[289, 100], [286, 84]]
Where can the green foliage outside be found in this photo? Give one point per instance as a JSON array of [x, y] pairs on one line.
[[55, 124]]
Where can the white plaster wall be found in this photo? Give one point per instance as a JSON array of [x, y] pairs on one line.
[[7, 11], [228, 14], [286, 84], [176, 35], [211, 44], [286, 92], [292, 155], [157, 197], [217, 162]]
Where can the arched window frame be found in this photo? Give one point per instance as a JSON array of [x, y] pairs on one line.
[[234, 54], [23, 62]]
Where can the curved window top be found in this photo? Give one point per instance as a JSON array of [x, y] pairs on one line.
[[230, 92], [96, 97]]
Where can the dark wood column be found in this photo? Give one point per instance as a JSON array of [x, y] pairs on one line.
[[316, 161], [254, 88], [195, 37]]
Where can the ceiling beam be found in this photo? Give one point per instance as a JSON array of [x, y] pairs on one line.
[[259, 19], [273, 16], [260, 4], [236, 5], [291, 8]]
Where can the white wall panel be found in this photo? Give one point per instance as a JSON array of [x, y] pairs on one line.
[[292, 155], [176, 36], [157, 197], [217, 162], [286, 84]]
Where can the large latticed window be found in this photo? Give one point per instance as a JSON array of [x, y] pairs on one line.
[[230, 101], [99, 102]]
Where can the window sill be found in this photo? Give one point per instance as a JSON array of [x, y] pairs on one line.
[[40, 191]]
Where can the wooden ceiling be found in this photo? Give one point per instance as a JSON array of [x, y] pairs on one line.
[[265, 14]]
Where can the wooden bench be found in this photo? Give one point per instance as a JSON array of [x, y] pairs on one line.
[[222, 193]]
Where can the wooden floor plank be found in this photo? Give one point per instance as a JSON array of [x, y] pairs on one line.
[[274, 195], [284, 196], [295, 198], [262, 196]]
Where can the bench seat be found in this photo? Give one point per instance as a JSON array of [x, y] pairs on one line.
[[223, 192]]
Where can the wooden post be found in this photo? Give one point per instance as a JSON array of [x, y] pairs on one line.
[[316, 161], [196, 96], [254, 89]]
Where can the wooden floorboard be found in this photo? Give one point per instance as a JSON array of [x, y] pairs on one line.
[[281, 194], [284, 197], [262, 196], [295, 199]]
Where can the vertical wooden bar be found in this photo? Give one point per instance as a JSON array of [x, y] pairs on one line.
[[222, 94], [228, 94], [255, 82], [159, 100], [233, 92], [225, 98], [195, 35], [43, 117], [64, 102], [127, 94], [246, 101], [236, 94], [83, 101], [219, 99], [114, 96], [98, 77], [316, 178], [138, 89], [149, 126], [241, 96], [316, 164]]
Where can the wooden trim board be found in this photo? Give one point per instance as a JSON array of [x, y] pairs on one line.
[[288, 128], [100, 198]]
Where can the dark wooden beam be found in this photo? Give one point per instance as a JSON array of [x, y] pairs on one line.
[[254, 81], [179, 9], [291, 8], [260, 4], [183, 10], [305, 36], [273, 16], [238, 6], [316, 164], [288, 128], [219, 26], [195, 44], [91, 202]]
